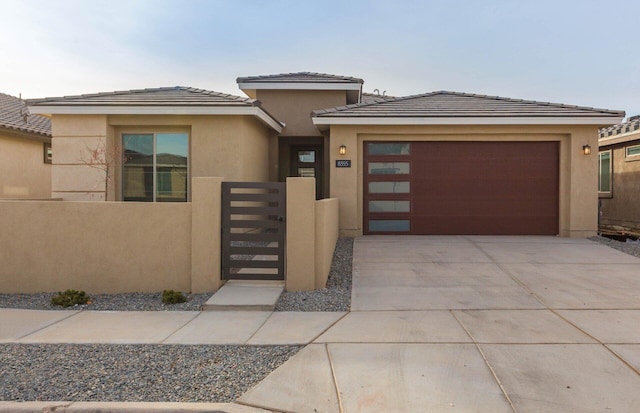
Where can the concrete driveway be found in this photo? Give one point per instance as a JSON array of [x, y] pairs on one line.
[[474, 324]]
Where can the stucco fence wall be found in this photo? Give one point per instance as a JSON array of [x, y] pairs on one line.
[[113, 247]]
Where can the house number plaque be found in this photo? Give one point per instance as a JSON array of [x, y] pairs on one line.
[[343, 163]]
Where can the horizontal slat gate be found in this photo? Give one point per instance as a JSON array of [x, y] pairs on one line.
[[253, 230]]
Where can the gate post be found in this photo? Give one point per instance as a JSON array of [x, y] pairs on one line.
[[301, 234], [206, 196]]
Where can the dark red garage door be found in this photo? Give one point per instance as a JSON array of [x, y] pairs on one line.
[[461, 188]]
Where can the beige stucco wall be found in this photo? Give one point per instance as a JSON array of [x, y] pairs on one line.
[[112, 247], [23, 172], [326, 218], [621, 211], [301, 228], [578, 173], [233, 147], [99, 247], [312, 233], [294, 107]]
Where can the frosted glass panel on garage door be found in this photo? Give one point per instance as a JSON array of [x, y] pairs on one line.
[[389, 187], [388, 168]]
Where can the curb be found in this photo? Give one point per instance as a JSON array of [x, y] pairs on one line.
[[124, 407]]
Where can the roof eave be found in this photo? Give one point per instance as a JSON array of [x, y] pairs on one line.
[[165, 110], [25, 134], [559, 120]]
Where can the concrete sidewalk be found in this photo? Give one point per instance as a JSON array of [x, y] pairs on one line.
[[438, 324], [164, 327], [474, 324]]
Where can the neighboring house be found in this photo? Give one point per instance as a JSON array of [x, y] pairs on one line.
[[436, 163], [619, 177], [25, 151]]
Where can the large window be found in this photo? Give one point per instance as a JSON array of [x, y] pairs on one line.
[[604, 172], [155, 167]]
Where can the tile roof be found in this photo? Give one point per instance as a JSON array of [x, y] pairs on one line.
[[374, 97], [299, 77], [631, 125], [164, 96], [14, 116], [445, 104]]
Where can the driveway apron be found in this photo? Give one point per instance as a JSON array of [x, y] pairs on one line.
[[473, 324]]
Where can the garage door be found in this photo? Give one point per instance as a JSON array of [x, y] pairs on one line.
[[461, 188]]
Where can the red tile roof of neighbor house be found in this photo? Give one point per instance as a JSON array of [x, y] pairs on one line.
[[14, 116], [631, 125], [445, 104], [299, 77], [163, 96]]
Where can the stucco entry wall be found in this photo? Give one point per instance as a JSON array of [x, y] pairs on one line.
[[578, 173]]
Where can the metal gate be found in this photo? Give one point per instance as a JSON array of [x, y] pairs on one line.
[[253, 230]]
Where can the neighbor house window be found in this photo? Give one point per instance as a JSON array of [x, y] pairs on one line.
[[48, 154], [155, 167], [604, 172], [632, 151]]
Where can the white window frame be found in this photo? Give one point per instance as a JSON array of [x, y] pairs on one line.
[[155, 183], [609, 192], [632, 156]]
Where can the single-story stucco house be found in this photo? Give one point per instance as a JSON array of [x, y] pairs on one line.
[[25, 151], [434, 163], [619, 177]]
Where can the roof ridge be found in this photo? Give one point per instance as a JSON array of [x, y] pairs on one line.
[[319, 74], [145, 90], [468, 95]]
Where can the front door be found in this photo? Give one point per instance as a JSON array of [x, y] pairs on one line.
[[306, 162]]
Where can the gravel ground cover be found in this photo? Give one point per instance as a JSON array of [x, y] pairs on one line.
[[337, 295], [128, 373], [631, 248]]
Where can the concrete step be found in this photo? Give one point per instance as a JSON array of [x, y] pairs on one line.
[[240, 295]]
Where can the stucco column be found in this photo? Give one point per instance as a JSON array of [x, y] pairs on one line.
[[301, 234], [344, 180], [583, 221], [205, 234]]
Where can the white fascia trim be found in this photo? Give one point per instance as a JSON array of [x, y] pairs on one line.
[[466, 121], [158, 110], [299, 86]]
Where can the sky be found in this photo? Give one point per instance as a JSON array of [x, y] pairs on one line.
[[574, 52]]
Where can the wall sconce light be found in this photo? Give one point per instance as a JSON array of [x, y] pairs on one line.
[[586, 149], [342, 150]]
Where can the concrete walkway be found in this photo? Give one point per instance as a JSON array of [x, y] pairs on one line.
[[438, 324], [474, 324]]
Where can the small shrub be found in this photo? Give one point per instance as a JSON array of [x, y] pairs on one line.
[[70, 298], [173, 297]]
